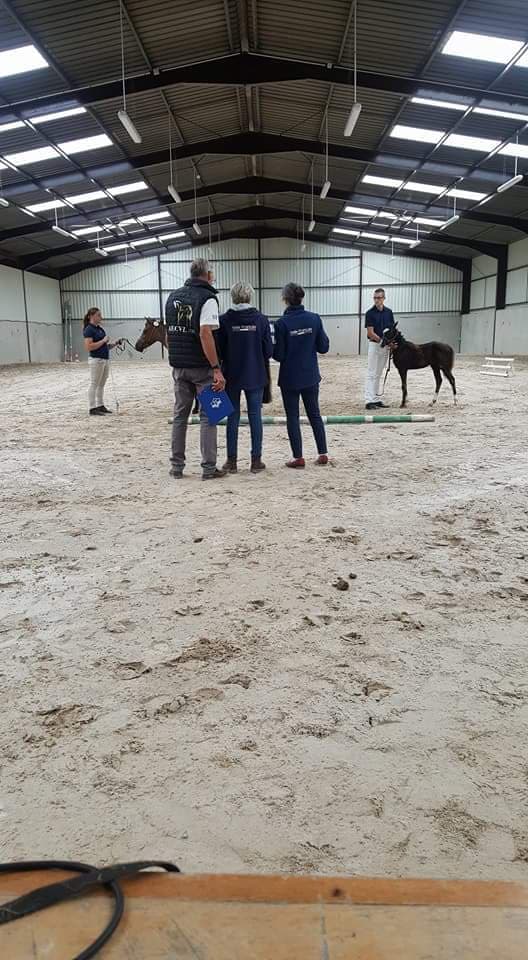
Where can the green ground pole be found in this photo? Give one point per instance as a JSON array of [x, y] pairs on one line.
[[359, 418]]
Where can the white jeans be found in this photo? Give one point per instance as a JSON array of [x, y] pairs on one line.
[[376, 360], [98, 377]]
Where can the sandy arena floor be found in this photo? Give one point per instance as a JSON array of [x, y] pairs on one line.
[[179, 677]]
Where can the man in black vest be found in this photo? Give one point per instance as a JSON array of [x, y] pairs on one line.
[[191, 315]]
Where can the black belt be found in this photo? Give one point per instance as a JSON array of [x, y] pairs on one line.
[[90, 878]]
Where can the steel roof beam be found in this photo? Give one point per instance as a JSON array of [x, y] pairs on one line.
[[254, 68]]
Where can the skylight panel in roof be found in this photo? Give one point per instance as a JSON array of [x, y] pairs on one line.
[[12, 125], [387, 216], [171, 236], [444, 104], [465, 194], [141, 243], [86, 197], [381, 181], [424, 187], [478, 46], [361, 210], [21, 60], [418, 134], [128, 188], [31, 156], [117, 246], [59, 115], [488, 112], [46, 205], [86, 143], [463, 142], [126, 223], [515, 150], [154, 216]]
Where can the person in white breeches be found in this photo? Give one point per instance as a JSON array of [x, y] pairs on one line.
[[98, 345], [377, 319]]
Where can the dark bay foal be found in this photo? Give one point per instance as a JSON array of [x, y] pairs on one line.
[[415, 356]]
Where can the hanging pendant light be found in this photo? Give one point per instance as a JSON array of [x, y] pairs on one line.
[[353, 116], [122, 115], [196, 226], [327, 184], [311, 225], [171, 188]]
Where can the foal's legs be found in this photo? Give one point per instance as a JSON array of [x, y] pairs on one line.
[[450, 377], [438, 378], [403, 375]]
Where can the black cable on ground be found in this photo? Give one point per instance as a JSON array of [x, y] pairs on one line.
[[91, 877]]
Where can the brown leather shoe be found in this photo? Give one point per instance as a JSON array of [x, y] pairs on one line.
[[230, 466], [217, 475], [298, 463], [257, 465]]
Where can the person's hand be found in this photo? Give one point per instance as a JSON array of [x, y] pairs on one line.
[[218, 381]]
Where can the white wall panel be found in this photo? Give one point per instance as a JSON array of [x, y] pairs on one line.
[[13, 341], [281, 248], [43, 299], [518, 254], [46, 342], [12, 295], [478, 294], [477, 332], [343, 332], [517, 286], [381, 269], [115, 305], [139, 274], [422, 327], [483, 266], [490, 291], [511, 335]]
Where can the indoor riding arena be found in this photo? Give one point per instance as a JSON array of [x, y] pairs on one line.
[[307, 688]]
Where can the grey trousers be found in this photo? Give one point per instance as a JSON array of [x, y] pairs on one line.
[[98, 377], [188, 382]]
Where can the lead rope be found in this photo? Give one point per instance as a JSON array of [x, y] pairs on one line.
[[382, 394]]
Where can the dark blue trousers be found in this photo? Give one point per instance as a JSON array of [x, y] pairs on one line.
[[310, 399]]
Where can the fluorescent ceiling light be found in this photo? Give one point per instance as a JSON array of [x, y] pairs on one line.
[[85, 231], [101, 252], [86, 197], [420, 134], [427, 222], [21, 60], [12, 125], [4, 202], [47, 117], [171, 236], [465, 194], [126, 223], [85, 143], [353, 118], [445, 104], [350, 233], [63, 233], [23, 209], [423, 187], [387, 216], [510, 183], [463, 142], [141, 243], [381, 181], [324, 189], [515, 150], [411, 243], [174, 193], [311, 226], [153, 216], [488, 112], [117, 246], [478, 46], [31, 156], [127, 188], [363, 210], [129, 126], [451, 220], [197, 229], [46, 205], [375, 236]]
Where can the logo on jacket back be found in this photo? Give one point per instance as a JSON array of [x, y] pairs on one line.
[[183, 320], [301, 333]]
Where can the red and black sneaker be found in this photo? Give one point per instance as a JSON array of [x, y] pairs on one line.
[[298, 463]]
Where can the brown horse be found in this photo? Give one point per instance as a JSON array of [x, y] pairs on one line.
[[415, 356]]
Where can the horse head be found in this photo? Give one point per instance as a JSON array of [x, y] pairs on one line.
[[154, 331], [391, 336]]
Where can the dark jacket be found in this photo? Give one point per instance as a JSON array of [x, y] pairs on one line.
[[245, 346], [182, 316], [299, 337]]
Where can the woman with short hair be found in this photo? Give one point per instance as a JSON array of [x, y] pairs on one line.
[[246, 347], [299, 337], [98, 345]]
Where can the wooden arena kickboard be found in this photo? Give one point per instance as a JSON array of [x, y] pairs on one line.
[[223, 917]]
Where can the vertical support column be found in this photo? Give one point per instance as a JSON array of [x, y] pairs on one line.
[[26, 315], [160, 294], [502, 275], [259, 254], [360, 314], [465, 306]]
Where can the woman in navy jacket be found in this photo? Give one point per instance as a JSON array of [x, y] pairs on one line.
[[245, 344], [299, 337]]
